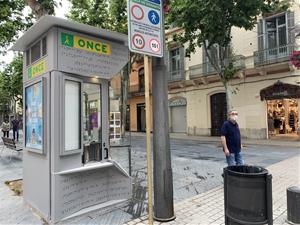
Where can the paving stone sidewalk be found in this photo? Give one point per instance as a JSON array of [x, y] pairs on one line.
[[208, 207]]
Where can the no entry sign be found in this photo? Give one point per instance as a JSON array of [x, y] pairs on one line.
[[145, 27]]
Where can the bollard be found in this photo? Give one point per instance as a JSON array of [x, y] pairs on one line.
[[293, 205]]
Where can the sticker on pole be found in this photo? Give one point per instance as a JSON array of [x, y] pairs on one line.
[[145, 30]]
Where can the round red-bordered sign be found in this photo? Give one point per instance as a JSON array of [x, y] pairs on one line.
[[154, 45], [138, 41], [137, 12]]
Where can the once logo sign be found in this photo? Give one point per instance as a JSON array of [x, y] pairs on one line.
[[154, 45], [138, 41], [85, 44], [137, 12]]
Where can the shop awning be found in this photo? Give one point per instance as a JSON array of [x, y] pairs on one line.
[[280, 91]]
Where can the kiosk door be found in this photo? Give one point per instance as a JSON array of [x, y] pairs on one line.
[[92, 130]]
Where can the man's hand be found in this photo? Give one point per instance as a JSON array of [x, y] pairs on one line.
[[223, 141], [226, 151]]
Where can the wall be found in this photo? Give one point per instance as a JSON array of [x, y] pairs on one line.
[[133, 102]]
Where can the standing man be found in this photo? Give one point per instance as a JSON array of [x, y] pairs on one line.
[[5, 127], [15, 125], [231, 140]]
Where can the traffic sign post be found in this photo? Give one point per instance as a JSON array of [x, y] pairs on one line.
[[146, 36], [145, 27]]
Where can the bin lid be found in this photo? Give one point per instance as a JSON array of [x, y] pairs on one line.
[[248, 170], [294, 189]]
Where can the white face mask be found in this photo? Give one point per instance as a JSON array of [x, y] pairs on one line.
[[234, 117]]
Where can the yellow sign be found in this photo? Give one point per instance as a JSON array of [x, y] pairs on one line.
[[37, 69], [85, 44]]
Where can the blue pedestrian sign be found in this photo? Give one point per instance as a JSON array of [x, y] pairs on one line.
[[145, 30], [155, 1], [153, 17]]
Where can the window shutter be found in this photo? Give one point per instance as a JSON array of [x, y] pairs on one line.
[[291, 24], [260, 35], [182, 58], [168, 62]]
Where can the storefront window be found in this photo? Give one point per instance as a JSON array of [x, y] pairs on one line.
[[283, 117], [34, 116]]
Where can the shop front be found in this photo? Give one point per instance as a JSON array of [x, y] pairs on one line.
[[283, 101]]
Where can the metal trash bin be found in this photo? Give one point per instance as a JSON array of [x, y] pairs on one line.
[[247, 195], [293, 205]]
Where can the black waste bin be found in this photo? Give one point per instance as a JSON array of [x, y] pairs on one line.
[[247, 195]]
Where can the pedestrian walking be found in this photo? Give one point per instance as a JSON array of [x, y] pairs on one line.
[[5, 128], [231, 140], [15, 124]]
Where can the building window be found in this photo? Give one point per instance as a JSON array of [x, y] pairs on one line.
[[142, 80], [175, 62], [276, 31]]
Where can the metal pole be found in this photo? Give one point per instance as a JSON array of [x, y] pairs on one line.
[[148, 71], [163, 178], [162, 169]]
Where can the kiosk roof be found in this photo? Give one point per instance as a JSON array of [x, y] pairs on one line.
[[46, 22]]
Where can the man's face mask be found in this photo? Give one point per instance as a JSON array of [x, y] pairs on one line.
[[234, 116]]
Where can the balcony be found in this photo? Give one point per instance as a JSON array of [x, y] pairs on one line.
[[273, 55], [175, 76], [205, 69]]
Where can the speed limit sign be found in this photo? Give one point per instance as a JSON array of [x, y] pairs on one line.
[[138, 41]]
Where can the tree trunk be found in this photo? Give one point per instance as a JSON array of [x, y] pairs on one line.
[[36, 8], [228, 96]]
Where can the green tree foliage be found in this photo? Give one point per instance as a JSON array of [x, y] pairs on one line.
[[118, 14], [11, 86], [208, 24], [13, 21], [91, 12]]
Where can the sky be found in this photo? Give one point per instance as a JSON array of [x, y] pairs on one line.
[[60, 11]]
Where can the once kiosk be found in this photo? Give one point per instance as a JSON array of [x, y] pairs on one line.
[[67, 170]]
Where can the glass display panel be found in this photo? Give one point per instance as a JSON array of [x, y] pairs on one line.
[[91, 122], [72, 115], [34, 116]]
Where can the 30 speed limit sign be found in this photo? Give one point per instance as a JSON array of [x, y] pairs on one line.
[[145, 31]]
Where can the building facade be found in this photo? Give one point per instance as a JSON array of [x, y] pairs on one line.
[[136, 109], [266, 90]]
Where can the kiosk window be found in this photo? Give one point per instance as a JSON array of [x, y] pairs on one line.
[[72, 115], [34, 116], [91, 112], [91, 122], [36, 52], [44, 46]]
